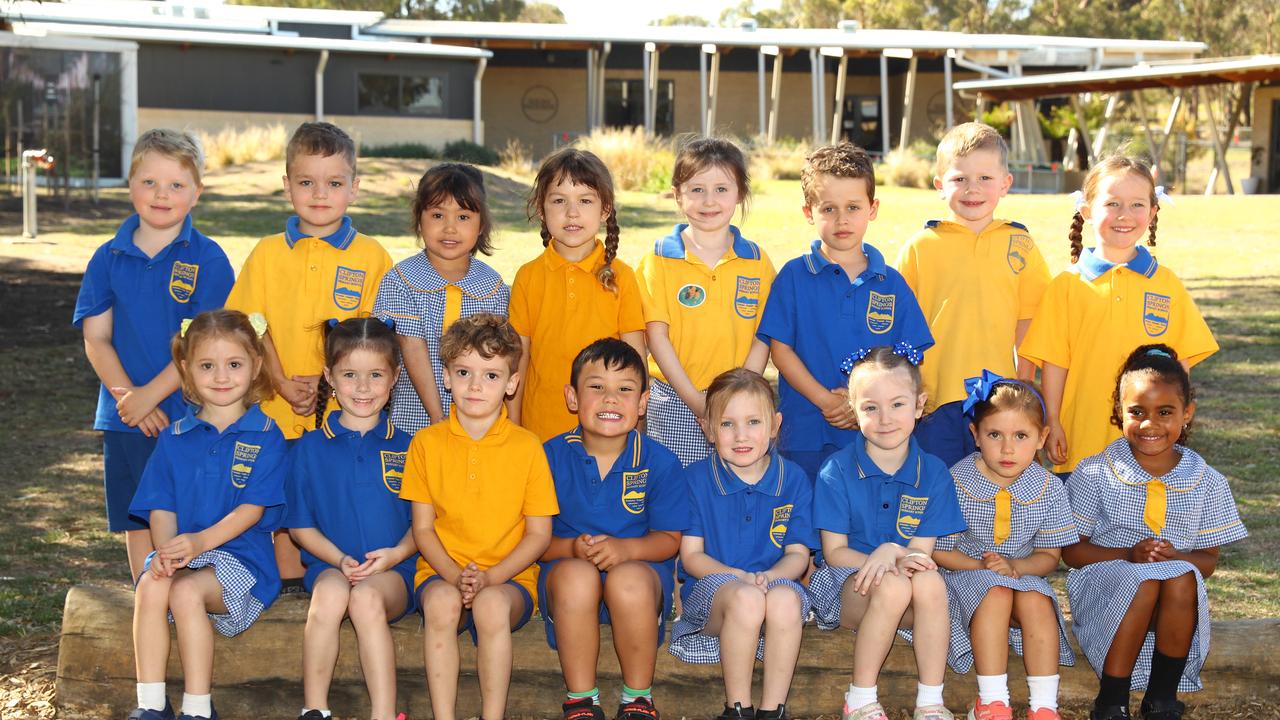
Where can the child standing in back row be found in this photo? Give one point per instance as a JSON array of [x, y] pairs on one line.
[[703, 287]]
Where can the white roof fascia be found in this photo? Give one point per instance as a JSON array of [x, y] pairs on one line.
[[59, 42], [1153, 71], [185, 13]]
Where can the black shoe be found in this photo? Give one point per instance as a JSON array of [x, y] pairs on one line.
[[292, 586], [312, 715], [1110, 712], [737, 712], [141, 714], [779, 713], [582, 709], [639, 709], [1161, 709]]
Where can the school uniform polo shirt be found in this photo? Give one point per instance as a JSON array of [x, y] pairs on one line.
[[149, 297], [481, 490], [711, 313], [855, 498], [347, 486], [748, 526], [298, 282], [973, 288], [822, 314], [561, 307], [201, 475], [1094, 314]]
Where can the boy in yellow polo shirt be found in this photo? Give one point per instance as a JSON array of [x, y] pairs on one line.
[[482, 498], [978, 281], [318, 268]]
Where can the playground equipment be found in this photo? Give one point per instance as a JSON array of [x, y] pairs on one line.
[[32, 162]]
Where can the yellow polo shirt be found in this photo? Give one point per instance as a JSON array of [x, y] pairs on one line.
[[561, 307], [711, 312], [973, 288], [298, 282], [481, 490], [1093, 315]]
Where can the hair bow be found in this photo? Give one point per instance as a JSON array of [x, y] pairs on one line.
[[389, 322], [1077, 199], [979, 389], [1159, 353], [258, 322], [902, 348], [1162, 196], [332, 323], [182, 329]]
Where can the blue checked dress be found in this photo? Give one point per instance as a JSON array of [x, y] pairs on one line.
[[672, 423], [1040, 518], [413, 295], [1108, 494], [687, 641]]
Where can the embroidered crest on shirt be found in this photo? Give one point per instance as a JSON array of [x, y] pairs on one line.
[[691, 296], [634, 486], [746, 299], [393, 469], [348, 286], [910, 510], [880, 312], [1019, 249], [242, 463], [778, 527], [182, 281], [1155, 313]]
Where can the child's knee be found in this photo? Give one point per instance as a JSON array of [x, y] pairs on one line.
[[893, 590], [366, 604], [782, 605], [928, 587], [152, 590], [441, 605], [631, 584], [1180, 590], [573, 585], [491, 610], [745, 603]]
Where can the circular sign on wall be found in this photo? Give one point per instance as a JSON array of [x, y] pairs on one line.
[[539, 104]]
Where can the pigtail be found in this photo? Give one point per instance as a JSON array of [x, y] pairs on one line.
[[1151, 229], [545, 233], [1077, 236], [323, 389], [606, 274]]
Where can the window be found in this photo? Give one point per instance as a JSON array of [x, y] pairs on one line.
[[624, 104], [400, 95]]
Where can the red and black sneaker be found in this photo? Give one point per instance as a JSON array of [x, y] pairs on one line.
[[582, 709], [639, 709]]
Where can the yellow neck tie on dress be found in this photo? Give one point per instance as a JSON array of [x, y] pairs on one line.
[[1154, 510], [452, 306], [1004, 514]]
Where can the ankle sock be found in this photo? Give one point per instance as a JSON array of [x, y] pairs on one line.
[[992, 688], [630, 694], [593, 693], [151, 696], [928, 694], [858, 697], [197, 705], [1112, 691], [1043, 690], [1165, 673]]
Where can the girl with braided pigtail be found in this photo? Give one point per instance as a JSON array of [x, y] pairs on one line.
[[573, 294]]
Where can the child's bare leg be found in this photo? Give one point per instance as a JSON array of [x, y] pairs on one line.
[[632, 593], [495, 610], [989, 631], [875, 616], [137, 543], [288, 556], [1039, 622], [151, 628], [320, 637], [573, 599], [782, 631], [1125, 646], [372, 603], [192, 596], [1176, 615], [737, 613], [930, 625], [442, 611]]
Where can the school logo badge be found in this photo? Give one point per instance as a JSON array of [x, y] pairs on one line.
[[910, 510], [1020, 247], [880, 312], [242, 463], [393, 469], [182, 281], [778, 528], [1155, 313], [634, 485], [746, 301], [348, 286], [691, 296]]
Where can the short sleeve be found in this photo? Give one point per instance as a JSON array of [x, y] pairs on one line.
[[1220, 520], [518, 310], [942, 514], [216, 280], [778, 322], [1084, 493], [1057, 527], [155, 488], [830, 503], [1032, 282], [249, 294], [800, 530], [503, 304], [915, 329], [630, 305], [394, 303], [296, 489], [539, 487], [908, 265], [1048, 340], [667, 506], [1196, 342], [414, 486], [266, 486], [95, 296], [947, 542], [650, 280]]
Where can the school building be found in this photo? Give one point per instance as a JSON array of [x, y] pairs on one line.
[[108, 69]]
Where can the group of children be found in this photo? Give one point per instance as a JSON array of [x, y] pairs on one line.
[[419, 437]]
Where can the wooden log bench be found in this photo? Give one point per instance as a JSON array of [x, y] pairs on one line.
[[259, 673]]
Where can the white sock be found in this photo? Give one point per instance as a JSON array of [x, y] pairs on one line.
[[992, 688], [928, 694], [197, 705], [859, 697], [1044, 691], [151, 696], [325, 713]]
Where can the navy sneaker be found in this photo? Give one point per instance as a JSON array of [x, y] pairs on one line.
[[582, 709], [213, 715], [639, 709], [143, 714]]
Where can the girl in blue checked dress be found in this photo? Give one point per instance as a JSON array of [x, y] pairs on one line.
[[213, 493], [747, 544], [1019, 518], [1151, 515], [346, 514], [880, 504]]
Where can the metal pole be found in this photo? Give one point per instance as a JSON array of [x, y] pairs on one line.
[[760, 126], [884, 105], [946, 80], [97, 133], [477, 118], [1219, 147], [816, 94], [601, 61], [714, 91], [320, 66], [774, 94], [908, 100], [648, 97], [836, 125], [653, 92], [702, 91]]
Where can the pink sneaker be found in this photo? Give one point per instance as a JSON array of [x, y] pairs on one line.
[[867, 712], [991, 711], [1043, 714]]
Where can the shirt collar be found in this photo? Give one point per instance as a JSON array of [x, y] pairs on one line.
[[496, 431], [908, 474], [728, 482], [253, 420], [632, 451], [340, 239], [816, 262], [1028, 489], [672, 246], [1185, 475], [480, 282], [332, 428], [556, 261], [1092, 265], [123, 240]]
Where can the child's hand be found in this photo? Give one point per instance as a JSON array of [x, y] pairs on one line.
[[604, 553], [837, 410], [154, 423], [1056, 444], [882, 560], [999, 564], [761, 580], [581, 545], [300, 392], [375, 561], [160, 567], [916, 561], [1162, 551], [131, 405], [1150, 550], [181, 550], [471, 582], [348, 567]]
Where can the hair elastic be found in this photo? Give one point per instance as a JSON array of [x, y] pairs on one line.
[[1163, 197], [259, 323], [182, 329], [902, 349], [980, 389], [1157, 352]]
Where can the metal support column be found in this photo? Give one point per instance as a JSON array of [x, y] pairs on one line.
[[477, 116], [908, 102], [816, 93], [837, 126], [884, 104], [775, 94], [713, 91], [320, 66], [948, 92]]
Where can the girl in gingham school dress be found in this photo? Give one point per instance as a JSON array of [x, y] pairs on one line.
[[1019, 517], [1151, 515]]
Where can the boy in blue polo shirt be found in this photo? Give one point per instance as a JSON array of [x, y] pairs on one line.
[[138, 288], [613, 546], [829, 303]]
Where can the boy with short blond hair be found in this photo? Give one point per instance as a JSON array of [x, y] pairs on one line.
[[830, 303], [482, 499], [978, 279]]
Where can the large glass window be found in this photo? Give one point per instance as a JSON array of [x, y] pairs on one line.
[[624, 104], [400, 95]]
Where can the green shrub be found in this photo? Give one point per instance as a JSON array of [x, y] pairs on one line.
[[412, 151], [469, 152]]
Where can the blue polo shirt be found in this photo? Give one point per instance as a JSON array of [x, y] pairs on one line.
[[202, 475], [748, 526], [347, 486], [856, 498], [149, 297], [817, 310]]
